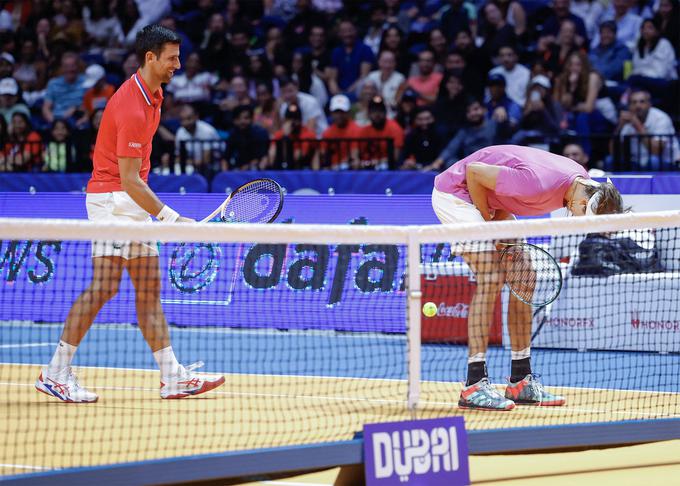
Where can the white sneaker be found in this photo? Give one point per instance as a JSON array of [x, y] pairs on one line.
[[187, 383], [64, 386]]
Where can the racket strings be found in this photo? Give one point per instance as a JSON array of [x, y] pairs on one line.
[[258, 202], [532, 274]]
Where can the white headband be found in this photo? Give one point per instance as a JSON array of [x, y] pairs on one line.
[[594, 201]]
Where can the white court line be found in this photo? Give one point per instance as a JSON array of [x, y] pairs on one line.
[[452, 405], [149, 370], [23, 466], [25, 345], [319, 377]]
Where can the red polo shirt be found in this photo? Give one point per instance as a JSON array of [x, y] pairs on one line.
[[378, 150], [340, 151], [128, 125]]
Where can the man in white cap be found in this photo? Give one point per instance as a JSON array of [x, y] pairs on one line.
[[9, 99], [98, 90], [339, 149]]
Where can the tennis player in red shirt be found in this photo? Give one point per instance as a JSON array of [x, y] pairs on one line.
[[118, 191]]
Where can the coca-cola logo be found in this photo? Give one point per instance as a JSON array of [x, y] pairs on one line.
[[456, 310]]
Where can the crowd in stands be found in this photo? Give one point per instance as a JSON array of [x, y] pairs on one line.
[[330, 84]]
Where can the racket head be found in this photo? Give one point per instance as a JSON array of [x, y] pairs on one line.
[[531, 273], [257, 201]]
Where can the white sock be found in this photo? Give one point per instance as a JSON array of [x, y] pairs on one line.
[[167, 362], [521, 354], [62, 358], [477, 358]]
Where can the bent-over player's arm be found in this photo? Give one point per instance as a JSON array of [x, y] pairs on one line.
[[481, 178], [141, 193]]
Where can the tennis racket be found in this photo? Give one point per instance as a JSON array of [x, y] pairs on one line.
[[531, 273], [258, 201]]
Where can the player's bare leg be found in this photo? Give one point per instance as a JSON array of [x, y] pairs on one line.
[[106, 275], [176, 380], [525, 387], [146, 277], [478, 392], [57, 378]]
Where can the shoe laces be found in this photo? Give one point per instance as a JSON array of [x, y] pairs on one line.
[[187, 370], [72, 379], [485, 385], [195, 366], [536, 386]]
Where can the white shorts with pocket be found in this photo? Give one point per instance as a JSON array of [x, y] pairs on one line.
[[118, 206], [451, 210]]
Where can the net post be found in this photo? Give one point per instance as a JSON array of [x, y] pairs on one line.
[[413, 321]]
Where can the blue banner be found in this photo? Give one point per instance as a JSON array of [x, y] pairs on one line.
[[50, 182], [303, 182], [330, 286], [331, 182]]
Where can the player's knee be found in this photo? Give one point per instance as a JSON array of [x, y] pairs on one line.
[[490, 281], [103, 291], [148, 297]]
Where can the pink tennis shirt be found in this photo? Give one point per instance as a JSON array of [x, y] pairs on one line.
[[531, 181]]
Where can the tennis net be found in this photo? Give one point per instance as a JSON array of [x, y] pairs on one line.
[[317, 330]]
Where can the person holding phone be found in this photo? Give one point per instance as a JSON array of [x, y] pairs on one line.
[[542, 117]]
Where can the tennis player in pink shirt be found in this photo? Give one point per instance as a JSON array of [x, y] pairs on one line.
[[493, 184]]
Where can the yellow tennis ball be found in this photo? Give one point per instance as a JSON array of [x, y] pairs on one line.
[[430, 309]]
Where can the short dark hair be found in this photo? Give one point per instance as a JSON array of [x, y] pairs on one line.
[[152, 38], [426, 50], [285, 81], [609, 24], [423, 109], [506, 46], [637, 90], [25, 117], [242, 29], [472, 100], [240, 109]]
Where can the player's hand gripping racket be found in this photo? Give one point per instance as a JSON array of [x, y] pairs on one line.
[[258, 201], [531, 273]]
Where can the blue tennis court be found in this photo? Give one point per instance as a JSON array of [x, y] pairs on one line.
[[335, 354]]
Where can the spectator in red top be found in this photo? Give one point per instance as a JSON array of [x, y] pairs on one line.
[[24, 152], [5, 163], [426, 82], [338, 152], [377, 155], [294, 146]]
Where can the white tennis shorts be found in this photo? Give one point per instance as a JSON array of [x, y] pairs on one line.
[[451, 210], [118, 206]]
